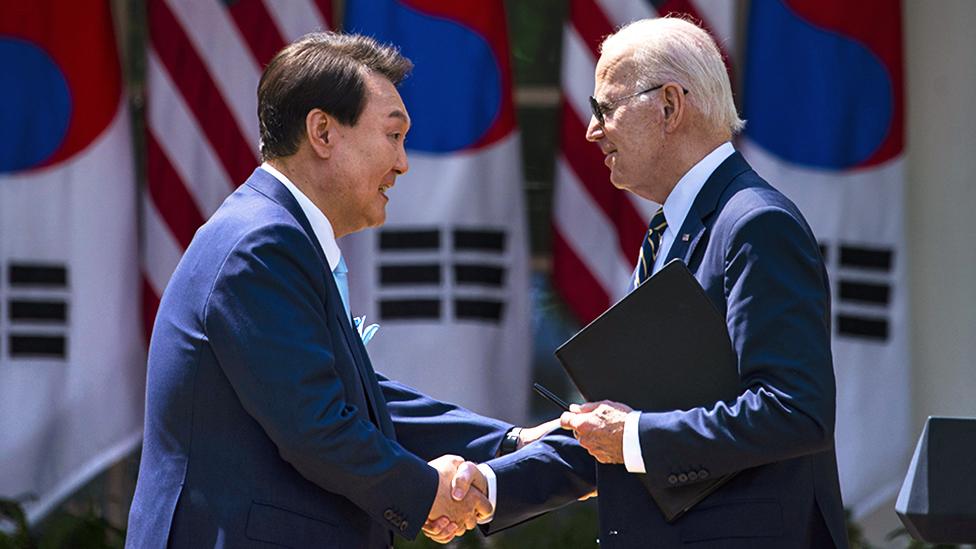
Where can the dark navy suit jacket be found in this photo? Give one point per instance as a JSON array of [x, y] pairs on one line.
[[265, 422], [760, 264]]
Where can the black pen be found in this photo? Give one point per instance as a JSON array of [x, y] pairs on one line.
[[551, 396]]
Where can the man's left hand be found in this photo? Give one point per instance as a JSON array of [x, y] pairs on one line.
[[528, 435], [599, 427]]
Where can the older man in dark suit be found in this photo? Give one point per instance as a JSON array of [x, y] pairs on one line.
[[664, 117]]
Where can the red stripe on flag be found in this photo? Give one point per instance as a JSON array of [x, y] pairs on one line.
[[169, 194], [573, 280], [255, 23], [679, 7], [200, 93], [150, 304], [591, 23], [325, 8], [586, 161]]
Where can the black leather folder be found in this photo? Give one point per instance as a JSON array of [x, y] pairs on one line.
[[662, 347]]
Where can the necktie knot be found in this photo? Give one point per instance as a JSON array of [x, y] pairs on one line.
[[651, 246]]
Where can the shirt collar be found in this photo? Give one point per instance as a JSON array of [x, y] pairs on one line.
[[320, 224], [678, 203]]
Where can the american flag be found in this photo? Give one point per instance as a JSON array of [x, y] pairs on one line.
[[597, 229], [205, 58]]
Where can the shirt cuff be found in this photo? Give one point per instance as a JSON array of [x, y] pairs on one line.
[[633, 460], [492, 490]]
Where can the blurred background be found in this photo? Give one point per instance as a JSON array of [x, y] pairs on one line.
[[126, 122]]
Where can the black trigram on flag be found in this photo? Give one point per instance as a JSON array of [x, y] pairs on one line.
[[442, 274], [37, 311], [863, 290]]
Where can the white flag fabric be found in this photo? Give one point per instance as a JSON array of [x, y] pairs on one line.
[[447, 276], [824, 106], [72, 357]]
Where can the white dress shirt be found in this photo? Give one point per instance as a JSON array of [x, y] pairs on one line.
[[326, 237], [676, 208]]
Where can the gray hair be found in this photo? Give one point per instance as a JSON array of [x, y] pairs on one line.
[[670, 49]]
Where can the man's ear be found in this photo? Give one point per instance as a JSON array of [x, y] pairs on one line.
[[674, 106], [318, 131]]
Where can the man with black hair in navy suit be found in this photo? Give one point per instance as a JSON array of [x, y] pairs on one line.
[[265, 422]]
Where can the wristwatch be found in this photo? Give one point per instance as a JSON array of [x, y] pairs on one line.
[[511, 441]]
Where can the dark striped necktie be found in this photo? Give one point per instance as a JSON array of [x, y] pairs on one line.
[[650, 247]]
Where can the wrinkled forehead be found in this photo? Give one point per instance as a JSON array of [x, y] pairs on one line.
[[616, 68]]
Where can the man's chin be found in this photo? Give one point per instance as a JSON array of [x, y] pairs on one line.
[[616, 182], [378, 220]]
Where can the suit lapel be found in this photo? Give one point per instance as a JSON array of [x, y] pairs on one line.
[[366, 375], [693, 229], [375, 395], [268, 185]]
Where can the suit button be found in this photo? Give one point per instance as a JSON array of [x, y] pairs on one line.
[[703, 474], [404, 525], [682, 478], [672, 479], [388, 514], [693, 476]]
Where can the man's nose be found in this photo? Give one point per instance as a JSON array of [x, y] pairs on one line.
[[594, 132], [402, 165]]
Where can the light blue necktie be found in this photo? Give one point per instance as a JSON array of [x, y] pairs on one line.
[[341, 273]]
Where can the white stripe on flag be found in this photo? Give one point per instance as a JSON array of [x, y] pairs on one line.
[[719, 18], [227, 57], [296, 18], [621, 12], [161, 251], [589, 232], [180, 137], [577, 73]]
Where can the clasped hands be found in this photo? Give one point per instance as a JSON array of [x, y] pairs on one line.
[[599, 427], [457, 508]]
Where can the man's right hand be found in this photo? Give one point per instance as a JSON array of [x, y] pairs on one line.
[[449, 518]]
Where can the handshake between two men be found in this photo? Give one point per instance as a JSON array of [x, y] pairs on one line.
[[457, 508], [462, 500]]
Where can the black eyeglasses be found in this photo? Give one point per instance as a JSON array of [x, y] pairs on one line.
[[600, 110]]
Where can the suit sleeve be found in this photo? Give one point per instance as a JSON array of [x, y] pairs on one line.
[[266, 323], [430, 428], [778, 319], [550, 473], [545, 475]]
